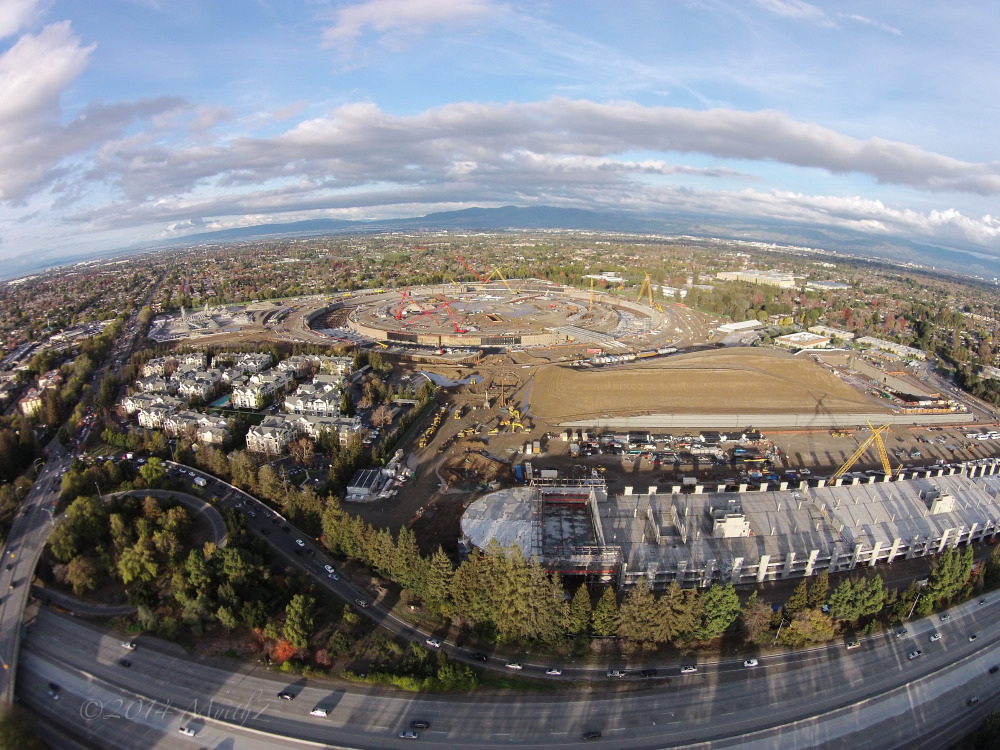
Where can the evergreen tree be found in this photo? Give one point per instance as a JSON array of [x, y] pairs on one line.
[[799, 599], [720, 606], [580, 612], [819, 587], [606, 614], [638, 614], [299, 620]]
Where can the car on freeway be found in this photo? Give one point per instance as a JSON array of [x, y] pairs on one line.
[[361, 603], [750, 663], [420, 724], [647, 673], [328, 568], [972, 701], [53, 691], [300, 543], [593, 735], [935, 637], [514, 665], [945, 617], [983, 602], [333, 576], [689, 669], [480, 656], [973, 637], [125, 663], [853, 644], [187, 731], [408, 734], [433, 642], [553, 671], [130, 645], [913, 655], [318, 712], [616, 673], [286, 696]]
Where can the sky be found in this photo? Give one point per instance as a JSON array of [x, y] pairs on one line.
[[124, 123]]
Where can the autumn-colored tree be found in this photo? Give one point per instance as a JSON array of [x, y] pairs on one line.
[[282, 651]]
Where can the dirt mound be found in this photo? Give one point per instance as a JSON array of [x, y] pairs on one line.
[[729, 381], [466, 470]]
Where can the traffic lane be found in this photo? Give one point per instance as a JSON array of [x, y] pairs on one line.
[[690, 709], [115, 718]]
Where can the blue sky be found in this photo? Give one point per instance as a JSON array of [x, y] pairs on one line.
[[131, 122]]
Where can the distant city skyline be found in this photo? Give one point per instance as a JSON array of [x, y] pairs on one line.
[[132, 123]]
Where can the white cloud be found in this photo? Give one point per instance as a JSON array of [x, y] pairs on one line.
[[794, 9], [856, 18], [396, 21], [15, 15]]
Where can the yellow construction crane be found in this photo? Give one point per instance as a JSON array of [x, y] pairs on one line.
[[647, 289], [875, 437]]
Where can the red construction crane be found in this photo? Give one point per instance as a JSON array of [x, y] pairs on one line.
[[454, 321], [469, 268], [405, 295]]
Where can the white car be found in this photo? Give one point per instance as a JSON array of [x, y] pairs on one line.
[[688, 669], [972, 637], [514, 665], [913, 655], [408, 735], [750, 663], [130, 645], [187, 731], [553, 672], [318, 712], [300, 543], [935, 637], [333, 576], [328, 568], [433, 642]]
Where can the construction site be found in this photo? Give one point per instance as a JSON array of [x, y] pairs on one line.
[[742, 535]]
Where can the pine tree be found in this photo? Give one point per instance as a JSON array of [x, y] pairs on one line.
[[819, 587], [606, 614], [580, 612], [638, 614], [799, 599], [720, 606]]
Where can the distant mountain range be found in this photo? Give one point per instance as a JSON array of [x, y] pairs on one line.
[[967, 261], [962, 260]]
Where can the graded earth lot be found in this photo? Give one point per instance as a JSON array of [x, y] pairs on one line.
[[730, 381]]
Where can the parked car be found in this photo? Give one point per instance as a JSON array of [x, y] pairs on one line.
[[187, 731], [913, 655], [935, 637]]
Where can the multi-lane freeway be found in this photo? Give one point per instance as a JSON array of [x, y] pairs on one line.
[[871, 697], [827, 697]]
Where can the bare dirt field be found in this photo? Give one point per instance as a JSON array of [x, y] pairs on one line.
[[728, 381]]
